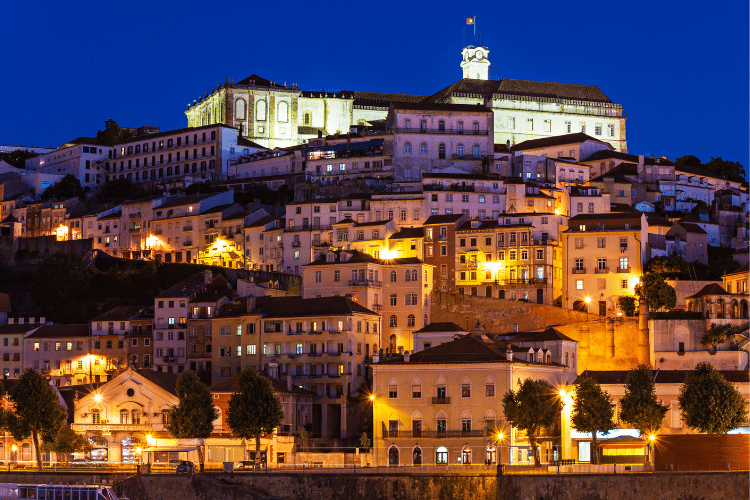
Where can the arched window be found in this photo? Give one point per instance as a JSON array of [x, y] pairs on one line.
[[392, 388], [416, 392], [283, 112], [95, 416], [130, 447], [393, 341], [441, 151], [417, 456], [260, 110], [466, 456], [240, 108], [410, 320], [441, 456], [393, 276], [423, 148], [393, 456], [307, 118], [135, 417], [441, 125], [475, 150], [460, 150], [407, 275], [124, 417], [489, 387], [414, 275], [407, 148], [466, 388]]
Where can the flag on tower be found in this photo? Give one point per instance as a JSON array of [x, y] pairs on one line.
[[470, 20]]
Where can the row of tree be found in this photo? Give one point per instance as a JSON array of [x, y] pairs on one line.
[[254, 410], [708, 403]]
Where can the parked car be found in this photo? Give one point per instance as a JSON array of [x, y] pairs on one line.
[[174, 462], [185, 467]]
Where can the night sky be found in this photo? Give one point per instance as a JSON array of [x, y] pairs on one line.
[[680, 70]]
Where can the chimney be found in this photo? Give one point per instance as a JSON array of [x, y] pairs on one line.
[[42, 319], [641, 167], [406, 356], [289, 382], [20, 320], [515, 327], [509, 353], [375, 357], [208, 275], [11, 321]]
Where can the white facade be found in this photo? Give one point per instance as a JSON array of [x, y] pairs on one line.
[[81, 158]]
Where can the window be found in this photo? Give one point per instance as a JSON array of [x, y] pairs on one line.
[[410, 320], [529, 124], [393, 300], [579, 284], [623, 265], [579, 243], [423, 148], [318, 277], [597, 129], [489, 388], [475, 151], [416, 389], [624, 284], [283, 112], [441, 125], [393, 321], [601, 243], [460, 150], [337, 275], [392, 389], [393, 276], [579, 264], [466, 425], [611, 130], [441, 151], [511, 123], [407, 148], [260, 110], [548, 125], [466, 389], [441, 454]]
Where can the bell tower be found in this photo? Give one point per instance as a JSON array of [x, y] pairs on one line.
[[475, 63]]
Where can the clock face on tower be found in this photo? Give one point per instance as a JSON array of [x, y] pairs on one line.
[[478, 54]]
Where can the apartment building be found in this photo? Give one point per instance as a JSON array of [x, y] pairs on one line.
[[255, 248], [12, 335], [575, 146], [479, 198], [171, 310], [109, 335], [433, 137], [439, 249], [136, 217], [194, 152], [604, 255], [186, 229], [398, 288], [322, 343], [82, 157], [363, 158], [63, 352], [406, 208], [203, 308], [443, 405]]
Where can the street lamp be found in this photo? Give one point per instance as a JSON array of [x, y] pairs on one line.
[[14, 449], [587, 300]]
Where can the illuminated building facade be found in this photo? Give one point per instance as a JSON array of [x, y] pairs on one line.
[[12, 337], [323, 344], [443, 405], [399, 289], [81, 157]]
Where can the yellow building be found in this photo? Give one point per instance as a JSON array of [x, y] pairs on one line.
[[443, 405], [604, 255]]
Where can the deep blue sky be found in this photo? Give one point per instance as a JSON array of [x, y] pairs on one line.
[[680, 70]]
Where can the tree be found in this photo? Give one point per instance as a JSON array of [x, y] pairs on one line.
[[639, 406], [18, 157], [689, 161], [534, 405], [68, 187], [593, 411], [656, 292], [364, 441], [254, 409], [37, 411], [67, 441], [627, 304], [673, 267], [717, 334], [709, 403], [194, 414], [112, 134], [119, 190], [729, 170]]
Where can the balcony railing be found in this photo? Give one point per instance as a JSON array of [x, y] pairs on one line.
[[577, 270], [432, 434], [601, 270], [621, 269], [441, 131], [364, 283], [441, 401], [187, 228]]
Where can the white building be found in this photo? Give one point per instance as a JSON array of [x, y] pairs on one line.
[[80, 157]]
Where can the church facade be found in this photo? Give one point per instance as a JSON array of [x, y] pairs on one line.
[[275, 115]]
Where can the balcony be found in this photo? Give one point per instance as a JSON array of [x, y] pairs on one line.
[[134, 230], [472, 265], [339, 332], [601, 270], [315, 332], [441, 401], [295, 243], [186, 229], [579, 270], [625, 269], [314, 354], [365, 283], [440, 131], [377, 307], [113, 427], [432, 434], [468, 158]]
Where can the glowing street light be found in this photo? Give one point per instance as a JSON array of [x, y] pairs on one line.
[[372, 397], [98, 398]]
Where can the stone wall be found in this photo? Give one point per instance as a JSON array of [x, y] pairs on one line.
[[603, 344], [401, 486], [657, 486]]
